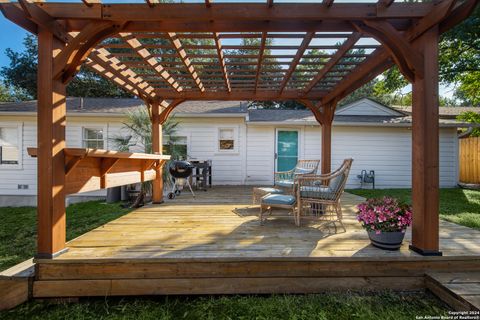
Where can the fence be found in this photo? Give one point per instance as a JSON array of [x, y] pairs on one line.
[[469, 160]]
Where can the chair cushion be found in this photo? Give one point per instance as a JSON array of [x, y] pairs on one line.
[[316, 192], [281, 199], [302, 170], [336, 182], [284, 183], [267, 190]]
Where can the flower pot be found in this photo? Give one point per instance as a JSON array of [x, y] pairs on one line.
[[387, 240]]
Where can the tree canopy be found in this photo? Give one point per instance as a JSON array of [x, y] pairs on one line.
[[20, 76], [459, 64]]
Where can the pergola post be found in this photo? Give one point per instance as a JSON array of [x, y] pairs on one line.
[[328, 113], [157, 143], [425, 150], [326, 147], [51, 119]]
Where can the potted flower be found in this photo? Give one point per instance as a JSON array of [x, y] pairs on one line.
[[385, 220]]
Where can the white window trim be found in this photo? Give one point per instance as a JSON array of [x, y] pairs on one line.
[[19, 127], [236, 140], [94, 127]]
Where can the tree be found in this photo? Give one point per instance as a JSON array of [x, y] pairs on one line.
[[459, 62], [471, 117], [22, 74], [139, 136]]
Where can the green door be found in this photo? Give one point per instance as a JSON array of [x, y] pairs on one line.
[[287, 149]]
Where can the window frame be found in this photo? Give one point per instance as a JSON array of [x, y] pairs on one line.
[[104, 131], [235, 140], [19, 127]]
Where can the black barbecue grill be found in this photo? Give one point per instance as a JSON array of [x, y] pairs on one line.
[[180, 171]]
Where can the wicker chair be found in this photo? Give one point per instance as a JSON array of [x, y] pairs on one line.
[[286, 179], [318, 196]]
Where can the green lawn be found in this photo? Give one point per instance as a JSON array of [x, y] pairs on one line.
[[18, 227], [456, 205], [383, 306]]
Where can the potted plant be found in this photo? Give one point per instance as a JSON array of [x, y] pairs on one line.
[[385, 220]]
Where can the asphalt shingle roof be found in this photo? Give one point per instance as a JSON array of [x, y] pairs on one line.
[[122, 105]]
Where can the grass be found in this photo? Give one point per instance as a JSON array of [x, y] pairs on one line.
[[321, 306], [18, 227], [457, 205]]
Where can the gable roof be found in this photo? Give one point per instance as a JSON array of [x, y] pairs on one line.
[[366, 106]]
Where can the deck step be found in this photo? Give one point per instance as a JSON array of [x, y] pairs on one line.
[[15, 284], [460, 290]]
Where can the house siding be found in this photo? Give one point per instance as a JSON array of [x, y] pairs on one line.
[[386, 150]]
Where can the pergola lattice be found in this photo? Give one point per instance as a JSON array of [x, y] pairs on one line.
[[166, 53]]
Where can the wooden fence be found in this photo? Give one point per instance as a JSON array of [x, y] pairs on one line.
[[469, 160]]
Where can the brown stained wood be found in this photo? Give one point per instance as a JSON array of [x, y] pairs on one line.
[[258, 11], [425, 146], [409, 61], [100, 169], [157, 146], [71, 164], [68, 62], [37, 15], [221, 59], [298, 56], [186, 61], [123, 83], [349, 43], [260, 57], [51, 119], [117, 68], [151, 61]]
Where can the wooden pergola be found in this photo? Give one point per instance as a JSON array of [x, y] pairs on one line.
[[167, 53]]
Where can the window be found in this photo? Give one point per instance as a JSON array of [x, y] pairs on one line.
[[9, 145], [226, 139], [93, 138], [176, 147]]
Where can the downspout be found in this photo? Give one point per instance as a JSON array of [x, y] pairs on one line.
[[465, 134]]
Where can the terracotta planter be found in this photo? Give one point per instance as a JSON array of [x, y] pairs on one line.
[[387, 240]]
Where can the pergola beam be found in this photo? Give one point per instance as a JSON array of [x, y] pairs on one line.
[[188, 12], [44, 20], [221, 59], [341, 52], [293, 65], [186, 61], [138, 47], [113, 65], [263, 42]]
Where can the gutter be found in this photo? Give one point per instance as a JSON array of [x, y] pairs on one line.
[[354, 124]]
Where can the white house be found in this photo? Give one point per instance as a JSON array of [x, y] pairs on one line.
[[242, 143]]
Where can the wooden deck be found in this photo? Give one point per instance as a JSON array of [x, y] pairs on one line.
[[186, 245]]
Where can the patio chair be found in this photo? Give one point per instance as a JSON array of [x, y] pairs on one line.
[[318, 196], [286, 179]]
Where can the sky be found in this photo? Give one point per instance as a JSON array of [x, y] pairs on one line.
[[11, 36]]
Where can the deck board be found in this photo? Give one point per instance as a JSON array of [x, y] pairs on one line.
[[223, 223]]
